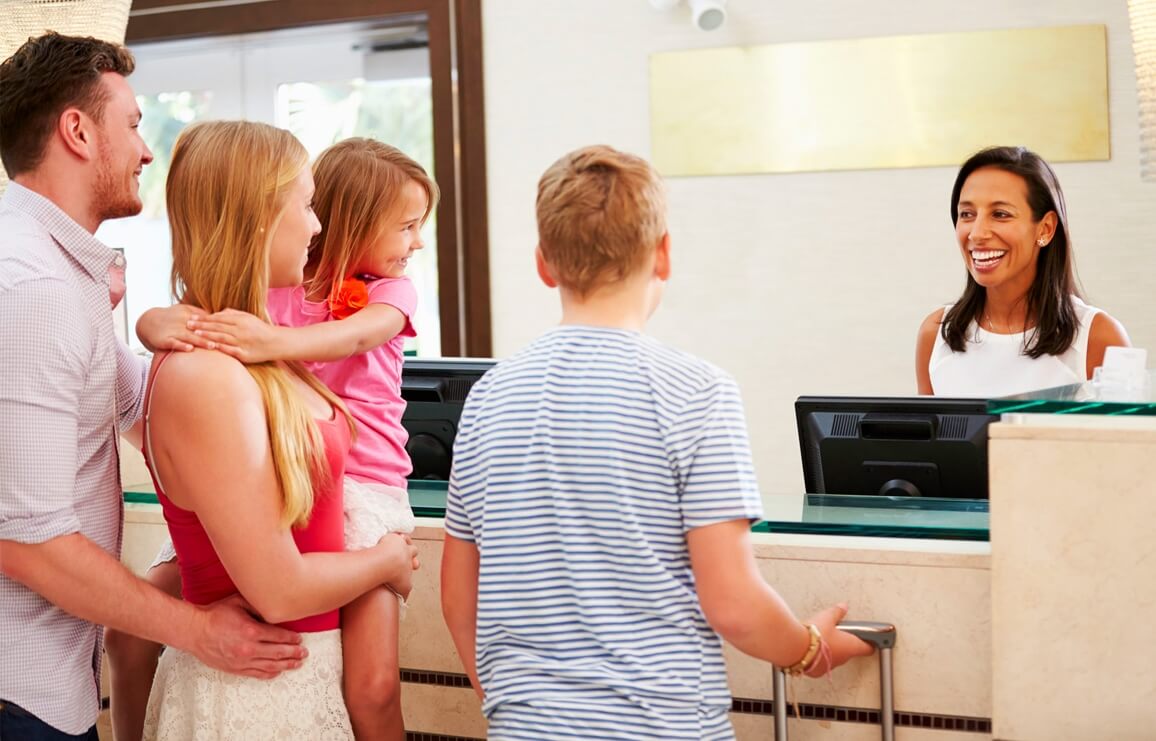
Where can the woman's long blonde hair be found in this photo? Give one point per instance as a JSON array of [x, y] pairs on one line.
[[359, 185], [226, 192]]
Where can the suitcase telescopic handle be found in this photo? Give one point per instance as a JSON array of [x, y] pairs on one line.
[[879, 634]]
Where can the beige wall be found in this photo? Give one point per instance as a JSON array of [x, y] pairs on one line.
[[807, 283]]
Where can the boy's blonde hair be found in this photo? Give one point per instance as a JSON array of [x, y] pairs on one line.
[[600, 213], [226, 192], [359, 185]]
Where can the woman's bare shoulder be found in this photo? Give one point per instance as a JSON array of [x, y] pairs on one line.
[[930, 326], [202, 377], [935, 318], [1106, 331]]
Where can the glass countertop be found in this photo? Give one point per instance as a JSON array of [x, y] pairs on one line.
[[881, 517], [1088, 397], [806, 514], [426, 498]]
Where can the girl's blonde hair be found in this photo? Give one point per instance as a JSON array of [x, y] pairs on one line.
[[226, 192], [359, 186]]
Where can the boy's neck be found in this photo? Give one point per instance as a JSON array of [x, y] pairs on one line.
[[626, 304]]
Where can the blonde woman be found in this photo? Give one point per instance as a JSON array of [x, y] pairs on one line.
[[353, 315], [248, 459]]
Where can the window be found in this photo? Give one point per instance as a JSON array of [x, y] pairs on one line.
[[392, 77]]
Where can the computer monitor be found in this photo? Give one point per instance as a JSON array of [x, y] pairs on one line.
[[434, 392], [923, 446]]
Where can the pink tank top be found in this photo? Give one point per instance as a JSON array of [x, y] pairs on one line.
[[203, 577]]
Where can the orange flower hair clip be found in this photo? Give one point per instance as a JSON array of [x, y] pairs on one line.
[[350, 297]]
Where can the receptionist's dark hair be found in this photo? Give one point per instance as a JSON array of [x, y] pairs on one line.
[[1049, 298]]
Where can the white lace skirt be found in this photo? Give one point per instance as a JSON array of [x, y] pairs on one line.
[[371, 511], [191, 701]]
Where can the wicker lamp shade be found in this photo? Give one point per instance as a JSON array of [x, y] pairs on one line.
[[22, 19]]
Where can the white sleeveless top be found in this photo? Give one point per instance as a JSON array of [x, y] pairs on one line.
[[995, 365]]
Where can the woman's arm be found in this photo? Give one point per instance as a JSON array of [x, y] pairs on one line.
[[211, 448], [252, 340], [1105, 332], [924, 344]]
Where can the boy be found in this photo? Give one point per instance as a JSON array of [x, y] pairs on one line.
[[597, 526]]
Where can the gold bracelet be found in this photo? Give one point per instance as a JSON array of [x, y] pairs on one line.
[[812, 652]]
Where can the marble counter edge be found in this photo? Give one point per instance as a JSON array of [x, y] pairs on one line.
[[1082, 427], [831, 548]]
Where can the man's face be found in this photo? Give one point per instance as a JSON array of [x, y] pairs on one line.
[[121, 152]]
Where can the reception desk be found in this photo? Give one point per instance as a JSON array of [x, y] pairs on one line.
[[926, 568], [1028, 622]]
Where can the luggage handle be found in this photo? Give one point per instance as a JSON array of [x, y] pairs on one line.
[[879, 634]]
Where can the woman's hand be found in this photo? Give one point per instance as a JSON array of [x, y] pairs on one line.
[[400, 557], [841, 646], [240, 335], [168, 329]]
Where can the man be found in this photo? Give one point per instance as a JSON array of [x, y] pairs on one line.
[[69, 142]]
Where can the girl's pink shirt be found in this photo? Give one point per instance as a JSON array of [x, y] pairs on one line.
[[369, 384]]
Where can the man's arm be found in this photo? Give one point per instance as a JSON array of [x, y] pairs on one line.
[[131, 378], [460, 601], [82, 579], [44, 364], [40, 546]]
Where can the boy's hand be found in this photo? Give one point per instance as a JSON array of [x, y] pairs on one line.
[[241, 335], [401, 554], [168, 329], [843, 646]]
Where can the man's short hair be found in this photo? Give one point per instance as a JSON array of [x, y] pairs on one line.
[[600, 213], [45, 76]]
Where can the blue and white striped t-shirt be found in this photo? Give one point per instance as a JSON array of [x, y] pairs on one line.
[[579, 466]]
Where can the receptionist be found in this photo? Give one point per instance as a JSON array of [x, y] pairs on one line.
[[1021, 323]]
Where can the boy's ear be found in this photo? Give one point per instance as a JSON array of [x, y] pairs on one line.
[[544, 269], [662, 258]]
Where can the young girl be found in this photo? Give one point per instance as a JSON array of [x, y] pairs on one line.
[[350, 320]]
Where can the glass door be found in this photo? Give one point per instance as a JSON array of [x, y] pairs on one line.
[[324, 84]]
